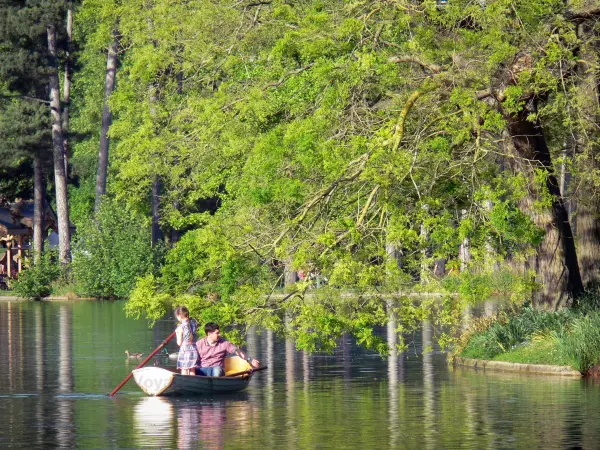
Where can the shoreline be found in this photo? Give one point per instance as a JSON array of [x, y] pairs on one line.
[[278, 296], [503, 366], [52, 298]]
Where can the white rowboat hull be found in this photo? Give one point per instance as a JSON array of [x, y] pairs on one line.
[[158, 381]]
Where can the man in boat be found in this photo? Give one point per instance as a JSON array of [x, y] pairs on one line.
[[213, 350]]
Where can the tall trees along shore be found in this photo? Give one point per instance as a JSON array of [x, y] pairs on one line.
[[370, 146]]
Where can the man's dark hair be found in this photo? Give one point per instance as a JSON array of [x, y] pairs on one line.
[[210, 327]]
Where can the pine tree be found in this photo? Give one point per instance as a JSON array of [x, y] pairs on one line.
[[32, 34]]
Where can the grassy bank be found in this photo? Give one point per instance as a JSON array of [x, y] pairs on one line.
[[569, 337]]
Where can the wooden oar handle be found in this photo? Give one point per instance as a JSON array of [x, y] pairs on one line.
[[237, 374], [156, 350]]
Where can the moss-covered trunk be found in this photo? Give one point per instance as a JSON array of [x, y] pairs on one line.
[[556, 262]]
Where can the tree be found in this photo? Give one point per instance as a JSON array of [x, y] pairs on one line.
[[328, 132], [30, 71], [58, 152], [66, 100], [112, 249], [24, 124], [109, 86]]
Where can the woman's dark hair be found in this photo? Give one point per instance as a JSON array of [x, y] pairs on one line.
[[182, 311], [210, 327]]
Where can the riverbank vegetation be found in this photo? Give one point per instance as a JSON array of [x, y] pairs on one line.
[[217, 152], [568, 337]]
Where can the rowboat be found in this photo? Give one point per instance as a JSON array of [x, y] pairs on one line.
[[161, 381]]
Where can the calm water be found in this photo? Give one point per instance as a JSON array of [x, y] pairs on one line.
[[59, 360]]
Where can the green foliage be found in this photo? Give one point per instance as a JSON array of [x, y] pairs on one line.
[[497, 279], [111, 251], [346, 139], [36, 281]]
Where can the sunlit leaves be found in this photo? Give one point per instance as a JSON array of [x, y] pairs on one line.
[[291, 118]]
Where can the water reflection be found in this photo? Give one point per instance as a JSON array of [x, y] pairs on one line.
[[349, 399], [65, 435], [392, 341], [346, 356], [290, 369], [269, 387], [428, 385], [153, 422], [192, 423]]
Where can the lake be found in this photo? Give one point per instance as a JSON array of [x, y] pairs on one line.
[[60, 359]]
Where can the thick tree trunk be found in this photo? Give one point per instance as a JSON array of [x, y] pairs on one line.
[[38, 209], [588, 241], [586, 202], [109, 87], [67, 91], [60, 181], [556, 260]]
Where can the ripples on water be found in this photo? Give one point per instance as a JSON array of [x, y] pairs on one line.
[[59, 360]]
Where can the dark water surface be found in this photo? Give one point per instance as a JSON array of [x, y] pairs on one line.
[[59, 360]]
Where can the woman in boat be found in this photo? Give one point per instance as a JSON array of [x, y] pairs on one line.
[[187, 334]]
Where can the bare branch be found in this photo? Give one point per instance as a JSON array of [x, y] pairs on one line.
[[434, 68], [399, 129], [250, 5], [25, 97]]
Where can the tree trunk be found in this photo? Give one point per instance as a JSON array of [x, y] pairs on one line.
[[586, 202], [556, 260], [464, 251], [289, 275], [38, 209], [424, 237], [156, 184], [490, 258], [60, 181], [439, 267], [393, 254], [588, 241], [156, 231], [67, 91], [109, 87]]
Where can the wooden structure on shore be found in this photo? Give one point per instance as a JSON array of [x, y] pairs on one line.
[[16, 234]]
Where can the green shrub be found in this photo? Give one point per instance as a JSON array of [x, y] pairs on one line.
[[36, 282], [112, 251]]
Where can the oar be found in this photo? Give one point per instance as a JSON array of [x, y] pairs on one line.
[[156, 350], [237, 374]]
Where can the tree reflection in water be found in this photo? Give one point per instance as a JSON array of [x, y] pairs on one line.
[[59, 360]]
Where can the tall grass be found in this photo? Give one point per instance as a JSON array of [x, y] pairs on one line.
[[573, 335], [510, 331], [582, 344]]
